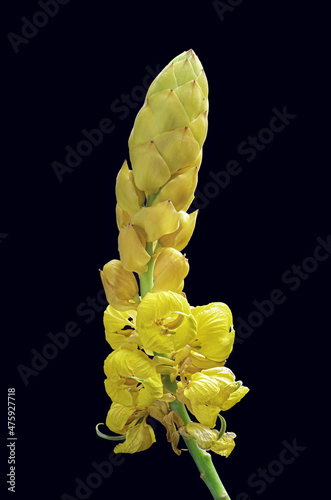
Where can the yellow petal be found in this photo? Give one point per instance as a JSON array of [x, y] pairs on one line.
[[225, 444], [131, 246], [138, 438], [129, 197], [160, 324], [170, 269], [204, 436], [215, 334], [157, 220], [180, 238], [118, 416]]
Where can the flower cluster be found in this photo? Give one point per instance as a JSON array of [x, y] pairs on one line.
[[166, 354]]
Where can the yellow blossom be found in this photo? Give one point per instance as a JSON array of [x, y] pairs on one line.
[[120, 286], [165, 322], [132, 379], [215, 334], [210, 391]]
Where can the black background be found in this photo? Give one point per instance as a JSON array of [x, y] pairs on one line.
[[56, 235]]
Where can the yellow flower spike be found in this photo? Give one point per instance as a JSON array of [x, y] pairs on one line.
[[123, 218], [120, 286], [204, 436], [157, 220], [180, 238], [164, 322], [170, 128], [131, 246], [180, 188], [129, 197], [225, 444], [132, 379], [215, 334], [170, 269], [138, 438]]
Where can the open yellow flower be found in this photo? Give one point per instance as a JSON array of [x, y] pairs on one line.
[[132, 379], [215, 334], [164, 322], [211, 391]]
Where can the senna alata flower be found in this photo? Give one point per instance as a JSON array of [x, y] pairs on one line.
[[164, 322], [210, 391], [171, 127], [132, 379], [215, 334]]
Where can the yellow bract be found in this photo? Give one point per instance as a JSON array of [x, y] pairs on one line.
[[180, 238], [129, 197], [131, 246], [157, 220], [120, 286], [170, 269], [164, 322]]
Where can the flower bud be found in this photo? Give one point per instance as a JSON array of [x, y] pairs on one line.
[[170, 129], [131, 246], [180, 238], [120, 286], [157, 220], [170, 269], [129, 197], [180, 188]]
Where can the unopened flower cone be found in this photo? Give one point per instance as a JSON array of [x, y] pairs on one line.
[[167, 355], [171, 127]]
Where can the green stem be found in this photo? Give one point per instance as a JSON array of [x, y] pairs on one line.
[[202, 459]]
